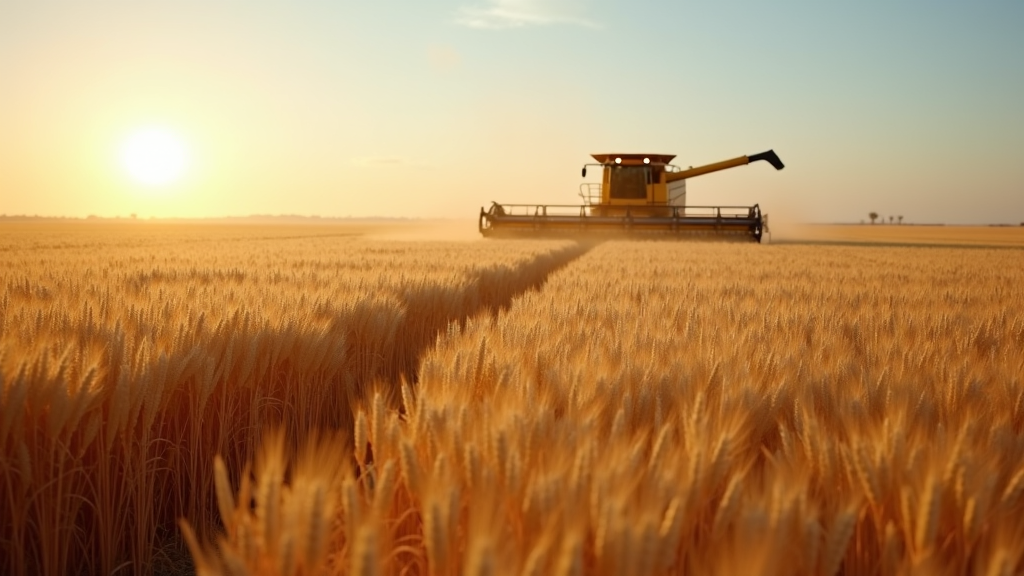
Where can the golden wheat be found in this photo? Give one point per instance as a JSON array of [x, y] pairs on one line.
[[656, 408], [836, 387], [131, 356]]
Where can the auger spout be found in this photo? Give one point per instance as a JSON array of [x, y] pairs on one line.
[[770, 156]]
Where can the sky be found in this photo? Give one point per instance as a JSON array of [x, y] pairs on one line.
[[433, 109]]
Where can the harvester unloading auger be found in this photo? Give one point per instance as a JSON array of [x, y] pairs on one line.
[[639, 194]]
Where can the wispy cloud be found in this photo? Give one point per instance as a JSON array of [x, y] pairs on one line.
[[519, 13]]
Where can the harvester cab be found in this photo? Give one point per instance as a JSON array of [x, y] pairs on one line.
[[639, 194]]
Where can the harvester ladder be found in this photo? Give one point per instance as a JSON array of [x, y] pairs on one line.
[[591, 193]]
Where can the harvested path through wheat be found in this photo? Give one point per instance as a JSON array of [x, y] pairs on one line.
[[497, 289]]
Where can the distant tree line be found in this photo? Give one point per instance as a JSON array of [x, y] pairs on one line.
[[899, 220], [874, 216]]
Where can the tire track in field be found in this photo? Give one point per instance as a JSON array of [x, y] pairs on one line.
[[496, 288]]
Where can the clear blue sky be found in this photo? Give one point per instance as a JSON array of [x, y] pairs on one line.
[[412, 108]]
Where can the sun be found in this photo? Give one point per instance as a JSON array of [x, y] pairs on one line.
[[154, 156]]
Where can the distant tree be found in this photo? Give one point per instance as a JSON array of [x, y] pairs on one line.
[[136, 216], [890, 219], [900, 218], [873, 216]]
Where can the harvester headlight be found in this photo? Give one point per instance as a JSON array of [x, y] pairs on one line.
[[647, 160], [618, 160]]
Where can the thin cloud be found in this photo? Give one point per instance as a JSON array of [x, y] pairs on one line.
[[519, 13]]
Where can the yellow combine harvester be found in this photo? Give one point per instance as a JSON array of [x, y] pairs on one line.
[[639, 194]]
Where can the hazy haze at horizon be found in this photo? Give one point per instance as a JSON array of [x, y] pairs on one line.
[[413, 109]]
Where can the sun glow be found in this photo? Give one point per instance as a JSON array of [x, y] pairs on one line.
[[154, 156]]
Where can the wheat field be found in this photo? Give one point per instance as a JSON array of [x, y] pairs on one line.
[[130, 359], [994, 236], [288, 401]]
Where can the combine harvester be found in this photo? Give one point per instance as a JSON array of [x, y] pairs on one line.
[[639, 195]]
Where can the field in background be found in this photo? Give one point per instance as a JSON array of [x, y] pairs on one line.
[[901, 234], [464, 230], [311, 400], [42, 233]]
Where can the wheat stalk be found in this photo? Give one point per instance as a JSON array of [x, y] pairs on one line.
[[837, 541]]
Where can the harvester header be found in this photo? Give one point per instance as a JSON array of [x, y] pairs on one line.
[[639, 194]]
